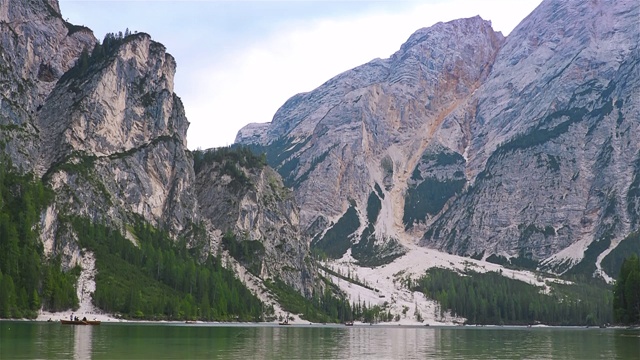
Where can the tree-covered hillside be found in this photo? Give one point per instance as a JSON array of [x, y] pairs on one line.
[[626, 294], [28, 280], [491, 298], [161, 279]]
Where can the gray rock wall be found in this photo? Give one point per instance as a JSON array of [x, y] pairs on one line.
[[541, 126]]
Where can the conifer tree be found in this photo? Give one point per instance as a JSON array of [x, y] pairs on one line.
[[626, 293]]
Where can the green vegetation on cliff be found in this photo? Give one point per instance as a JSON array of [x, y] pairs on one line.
[[162, 279], [336, 241], [240, 156], [428, 198], [626, 293], [28, 280]]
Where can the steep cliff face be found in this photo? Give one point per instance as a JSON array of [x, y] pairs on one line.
[[552, 150], [119, 126], [113, 135], [366, 128], [237, 193], [101, 124], [110, 134], [473, 144], [37, 47]]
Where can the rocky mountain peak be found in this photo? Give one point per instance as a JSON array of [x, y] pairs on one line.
[[459, 28], [473, 143], [117, 99], [367, 127], [100, 124], [38, 47], [554, 49]]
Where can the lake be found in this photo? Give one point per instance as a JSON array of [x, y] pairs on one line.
[[38, 340]]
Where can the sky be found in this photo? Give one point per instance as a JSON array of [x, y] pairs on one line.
[[239, 61]]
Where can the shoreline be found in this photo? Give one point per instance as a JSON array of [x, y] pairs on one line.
[[43, 317]]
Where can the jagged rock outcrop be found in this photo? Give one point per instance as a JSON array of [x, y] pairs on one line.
[[36, 47], [116, 138], [479, 145], [106, 129], [249, 199], [101, 124], [367, 128], [552, 155]]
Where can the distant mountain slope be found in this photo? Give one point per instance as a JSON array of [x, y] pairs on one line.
[[475, 144]]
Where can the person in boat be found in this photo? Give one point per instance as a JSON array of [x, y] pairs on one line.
[[84, 318], [71, 317]]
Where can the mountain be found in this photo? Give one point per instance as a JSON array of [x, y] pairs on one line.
[[515, 150], [100, 125], [102, 204], [237, 192]]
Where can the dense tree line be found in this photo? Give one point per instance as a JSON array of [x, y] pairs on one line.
[[248, 252], [335, 241], [27, 279], [612, 263], [241, 156], [428, 198], [626, 293], [98, 54], [490, 298], [328, 306], [161, 279]]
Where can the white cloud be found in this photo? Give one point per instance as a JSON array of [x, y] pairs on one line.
[[250, 84]]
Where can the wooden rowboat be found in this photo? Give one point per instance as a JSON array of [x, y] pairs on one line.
[[80, 322]]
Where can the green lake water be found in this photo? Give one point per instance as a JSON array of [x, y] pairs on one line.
[[34, 340]]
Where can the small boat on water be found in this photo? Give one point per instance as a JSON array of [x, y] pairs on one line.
[[80, 322], [348, 323]]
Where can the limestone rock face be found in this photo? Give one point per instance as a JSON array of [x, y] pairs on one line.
[[37, 47], [122, 103], [255, 204], [115, 138], [518, 147], [101, 124], [552, 155], [111, 137], [368, 127]]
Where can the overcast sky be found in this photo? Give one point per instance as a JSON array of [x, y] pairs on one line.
[[239, 61]]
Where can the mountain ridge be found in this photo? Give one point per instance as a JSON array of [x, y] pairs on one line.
[[417, 149], [100, 124], [525, 108]]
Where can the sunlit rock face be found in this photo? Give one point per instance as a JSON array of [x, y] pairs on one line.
[[118, 122], [102, 126], [114, 138], [474, 143], [109, 137]]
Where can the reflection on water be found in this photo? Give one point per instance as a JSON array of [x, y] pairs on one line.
[[324, 342], [82, 341], [31, 340]]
